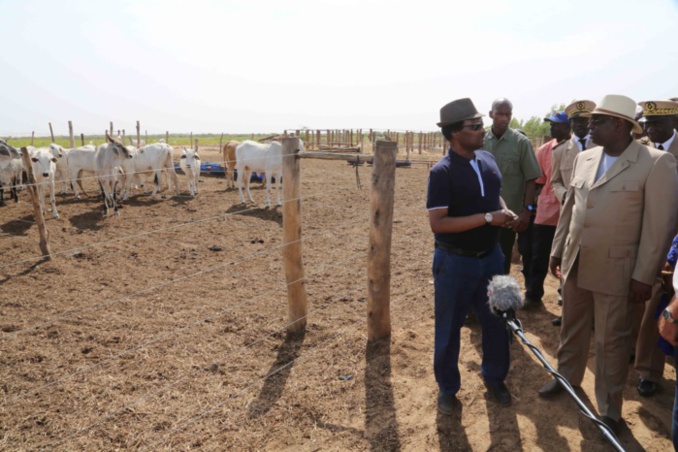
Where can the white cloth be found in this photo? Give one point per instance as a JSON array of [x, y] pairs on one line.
[[667, 144], [605, 163], [474, 164]]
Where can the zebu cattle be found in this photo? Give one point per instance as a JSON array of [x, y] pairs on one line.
[[61, 174], [229, 162], [11, 167], [189, 162], [150, 159], [108, 158], [43, 164], [260, 157], [80, 160]]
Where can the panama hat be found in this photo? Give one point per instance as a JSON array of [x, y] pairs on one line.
[[618, 106], [457, 111]]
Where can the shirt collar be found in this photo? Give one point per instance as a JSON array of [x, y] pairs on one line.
[[667, 144]]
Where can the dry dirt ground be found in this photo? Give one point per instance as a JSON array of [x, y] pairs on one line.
[[164, 328]]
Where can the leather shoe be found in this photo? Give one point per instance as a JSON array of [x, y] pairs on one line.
[[447, 403], [557, 321], [551, 389], [500, 393], [531, 303], [612, 424], [646, 387]]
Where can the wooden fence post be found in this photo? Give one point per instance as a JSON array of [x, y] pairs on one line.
[[32, 137], [138, 135], [110, 129], [167, 136], [379, 253], [39, 218], [82, 139], [221, 140], [51, 132], [70, 134], [294, 267]]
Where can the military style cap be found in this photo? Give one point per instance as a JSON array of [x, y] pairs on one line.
[[578, 107], [659, 108]]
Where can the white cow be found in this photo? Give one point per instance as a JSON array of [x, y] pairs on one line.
[[11, 167], [61, 175], [260, 157], [189, 162], [80, 160], [150, 159], [43, 164], [108, 158]]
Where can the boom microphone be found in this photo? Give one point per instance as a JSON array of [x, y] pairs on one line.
[[504, 295], [504, 298]]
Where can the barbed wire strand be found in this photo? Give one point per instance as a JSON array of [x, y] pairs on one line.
[[167, 335], [158, 286]]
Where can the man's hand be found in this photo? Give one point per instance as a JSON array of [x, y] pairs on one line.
[[639, 292], [554, 266], [503, 218], [523, 221], [669, 331]]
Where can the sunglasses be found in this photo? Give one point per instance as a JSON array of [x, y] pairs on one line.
[[599, 120], [477, 126]]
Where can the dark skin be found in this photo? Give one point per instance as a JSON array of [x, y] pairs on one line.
[[464, 143], [614, 134], [501, 114], [580, 126], [659, 128]]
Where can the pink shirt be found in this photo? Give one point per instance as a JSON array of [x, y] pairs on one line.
[[548, 207]]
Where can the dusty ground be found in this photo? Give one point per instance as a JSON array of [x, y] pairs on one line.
[[164, 328]]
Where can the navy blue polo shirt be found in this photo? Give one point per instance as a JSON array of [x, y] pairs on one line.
[[454, 184]]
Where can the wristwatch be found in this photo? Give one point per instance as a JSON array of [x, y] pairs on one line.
[[488, 218], [668, 317]]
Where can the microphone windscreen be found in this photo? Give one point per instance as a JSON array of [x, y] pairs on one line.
[[504, 294]]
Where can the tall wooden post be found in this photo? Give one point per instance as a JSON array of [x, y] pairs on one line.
[[419, 143], [82, 139], [70, 134], [39, 218], [196, 145], [167, 136], [32, 137], [110, 129], [294, 267], [51, 132], [379, 253], [221, 139], [191, 140], [138, 135]]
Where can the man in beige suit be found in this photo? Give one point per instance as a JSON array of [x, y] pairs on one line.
[[564, 153], [615, 228], [658, 121]]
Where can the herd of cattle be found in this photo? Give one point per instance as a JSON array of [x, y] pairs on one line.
[[118, 169]]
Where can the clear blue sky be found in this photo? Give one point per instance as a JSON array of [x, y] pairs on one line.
[[259, 66]]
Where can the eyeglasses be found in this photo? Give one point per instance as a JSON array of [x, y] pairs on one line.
[[477, 126]]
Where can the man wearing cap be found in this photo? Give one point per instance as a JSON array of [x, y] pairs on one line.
[[466, 213], [519, 169], [548, 211], [564, 154], [612, 236], [658, 121]]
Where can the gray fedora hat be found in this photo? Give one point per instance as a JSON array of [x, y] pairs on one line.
[[457, 111]]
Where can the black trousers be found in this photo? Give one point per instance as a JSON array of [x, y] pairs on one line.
[[535, 247]]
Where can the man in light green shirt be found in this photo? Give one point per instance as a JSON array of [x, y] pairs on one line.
[[519, 169]]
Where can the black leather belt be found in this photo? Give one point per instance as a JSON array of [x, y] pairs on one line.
[[459, 251]]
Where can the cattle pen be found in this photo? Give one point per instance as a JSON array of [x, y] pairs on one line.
[[169, 327]]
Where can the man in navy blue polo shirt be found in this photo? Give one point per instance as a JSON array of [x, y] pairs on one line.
[[466, 213]]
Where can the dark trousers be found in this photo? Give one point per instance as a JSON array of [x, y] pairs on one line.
[[535, 248], [460, 286], [506, 240]]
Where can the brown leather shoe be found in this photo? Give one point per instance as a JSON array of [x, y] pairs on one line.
[[551, 389]]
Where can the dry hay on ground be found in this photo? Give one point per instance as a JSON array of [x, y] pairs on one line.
[[164, 328]]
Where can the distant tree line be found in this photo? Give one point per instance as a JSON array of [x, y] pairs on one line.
[[536, 127]]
